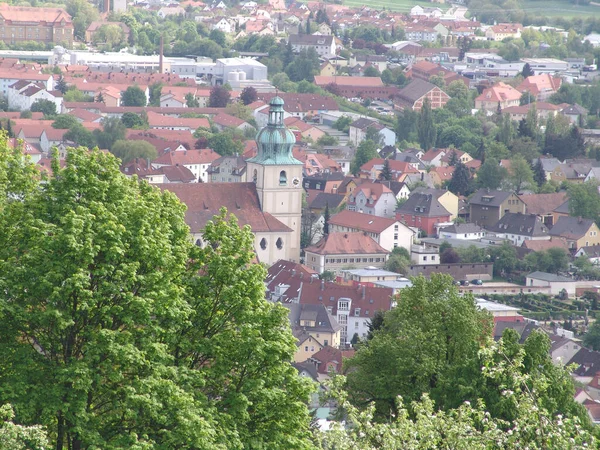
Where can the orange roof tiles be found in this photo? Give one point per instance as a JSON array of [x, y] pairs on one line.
[[346, 244]]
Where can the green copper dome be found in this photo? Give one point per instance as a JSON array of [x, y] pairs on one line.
[[275, 141]]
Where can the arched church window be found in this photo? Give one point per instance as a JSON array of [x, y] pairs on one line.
[[263, 243], [199, 242], [255, 176], [279, 243], [282, 178]]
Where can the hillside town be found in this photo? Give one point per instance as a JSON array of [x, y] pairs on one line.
[[373, 156]]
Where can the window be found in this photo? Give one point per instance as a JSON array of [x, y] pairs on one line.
[[263, 243], [395, 236], [357, 311], [255, 176], [279, 243], [306, 348], [396, 226], [326, 342], [424, 258], [282, 178], [355, 325]]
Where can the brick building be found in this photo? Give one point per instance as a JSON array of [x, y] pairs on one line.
[[358, 87], [413, 95], [46, 25]]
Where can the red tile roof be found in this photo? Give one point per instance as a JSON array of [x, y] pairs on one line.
[[321, 80], [346, 244], [363, 222], [19, 14], [227, 120], [159, 120], [188, 157], [204, 200]]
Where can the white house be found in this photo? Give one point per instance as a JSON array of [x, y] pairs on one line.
[[358, 131], [556, 283], [465, 231], [23, 94], [423, 255], [224, 25]]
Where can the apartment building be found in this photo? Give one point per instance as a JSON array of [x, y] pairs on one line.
[[47, 25]]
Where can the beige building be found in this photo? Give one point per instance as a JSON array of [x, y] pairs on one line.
[[46, 25], [314, 328]]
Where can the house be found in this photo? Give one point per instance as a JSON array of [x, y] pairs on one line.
[[556, 283], [465, 231], [487, 207], [330, 360], [577, 231], [543, 205], [197, 161], [575, 113], [227, 169], [414, 94], [323, 45], [306, 130], [358, 131], [169, 174], [325, 182], [372, 198], [504, 30], [440, 175], [327, 69], [417, 32], [543, 110], [446, 198], [389, 233], [322, 200], [372, 170], [424, 70], [592, 253], [23, 94], [500, 95], [223, 121], [518, 228], [170, 11], [302, 106], [540, 87], [164, 122], [422, 211], [574, 172], [43, 25], [553, 242], [337, 251], [423, 255], [314, 328]]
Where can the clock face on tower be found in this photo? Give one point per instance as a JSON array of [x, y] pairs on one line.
[[296, 182]]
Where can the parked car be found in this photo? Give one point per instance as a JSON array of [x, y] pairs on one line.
[[464, 282], [477, 282]]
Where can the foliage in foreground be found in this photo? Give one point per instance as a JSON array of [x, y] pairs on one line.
[[468, 427]]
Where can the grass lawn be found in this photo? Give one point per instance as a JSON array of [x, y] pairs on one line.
[[394, 5], [558, 8]]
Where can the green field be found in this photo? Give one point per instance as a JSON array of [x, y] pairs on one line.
[[393, 5]]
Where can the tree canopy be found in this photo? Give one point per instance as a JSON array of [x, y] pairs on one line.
[[133, 96]]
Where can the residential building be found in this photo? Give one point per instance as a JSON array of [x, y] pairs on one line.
[[329, 360], [227, 169], [337, 251], [358, 131], [372, 170], [23, 94], [555, 283], [93, 28], [592, 253], [419, 33], [501, 95], [518, 228], [504, 30], [543, 205], [197, 161], [323, 45], [540, 87], [423, 255], [389, 233], [446, 198], [325, 182], [464, 231], [413, 95], [314, 328], [303, 106], [354, 87], [577, 231], [422, 211], [373, 199], [169, 174], [44, 25], [487, 207]]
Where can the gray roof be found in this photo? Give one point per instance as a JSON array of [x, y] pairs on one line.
[[415, 90], [324, 199], [545, 276], [310, 39], [587, 360], [564, 208], [324, 321], [523, 328], [321, 179], [548, 164], [571, 227], [574, 110], [419, 204], [363, 123], [307, 367], [489, 198], [461, 228], [521, 224]]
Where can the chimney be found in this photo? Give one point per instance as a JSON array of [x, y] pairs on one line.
[[161, 55]]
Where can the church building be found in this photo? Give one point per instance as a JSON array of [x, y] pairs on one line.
[[270, 202]]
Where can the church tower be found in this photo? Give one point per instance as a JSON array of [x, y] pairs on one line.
[[278, 175]]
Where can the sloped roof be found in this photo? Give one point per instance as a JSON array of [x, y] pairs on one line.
[[416, 89], [543, 203], [495, 197], [321, 80], [174, 174], [425, 205], [554, 242], [520, 224], [362, 222], [204, 200], [27, 14], [188, 157], [544, 276], [351, 243], [324, 199], [324, 321], [571, 227]]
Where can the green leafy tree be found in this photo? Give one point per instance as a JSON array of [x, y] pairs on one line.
[[426, 131], [460, 183], [19, 437], [47, 107], [366, 151], [326, 139], [539, 175], [371, 71], [75, 95], [342, 124], [373, 134], [491, 174], [225, 145], [248, 95], [584, 200], [219, 97], [61, 85], [155, 93], [83, 14], [112, 130], [591, 339], [520, 173], [132, 120], [191, 101], [80, 136], [133, 96], [304, 66], [129, 150], [390, 365], [64, 122]]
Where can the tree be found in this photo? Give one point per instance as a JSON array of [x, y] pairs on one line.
[[19, 437], [373, 134], [366, 151], [342, 124], [155, 93], [133, 96], [591, 339], [464, 44], [371, 71], [132, 120], [99, 98], [112, 130], [460, 183], [539, 175], [327, 140], [110, 35], [526, 147], [191, 101], [390, 365], [304, 66], [219, 97], [584, 200], [113, 320], [129, 150], [75, 95], [225, 145], [327, 275], [83, 14], [520, 173], [386, 172], [449, 256], [248, 95], [47, 107], [80, 136], [61, 85], [457, 89], [218, 36], [64, 122], [326, 217], [491, 174], [425, 126], [527, 72]]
